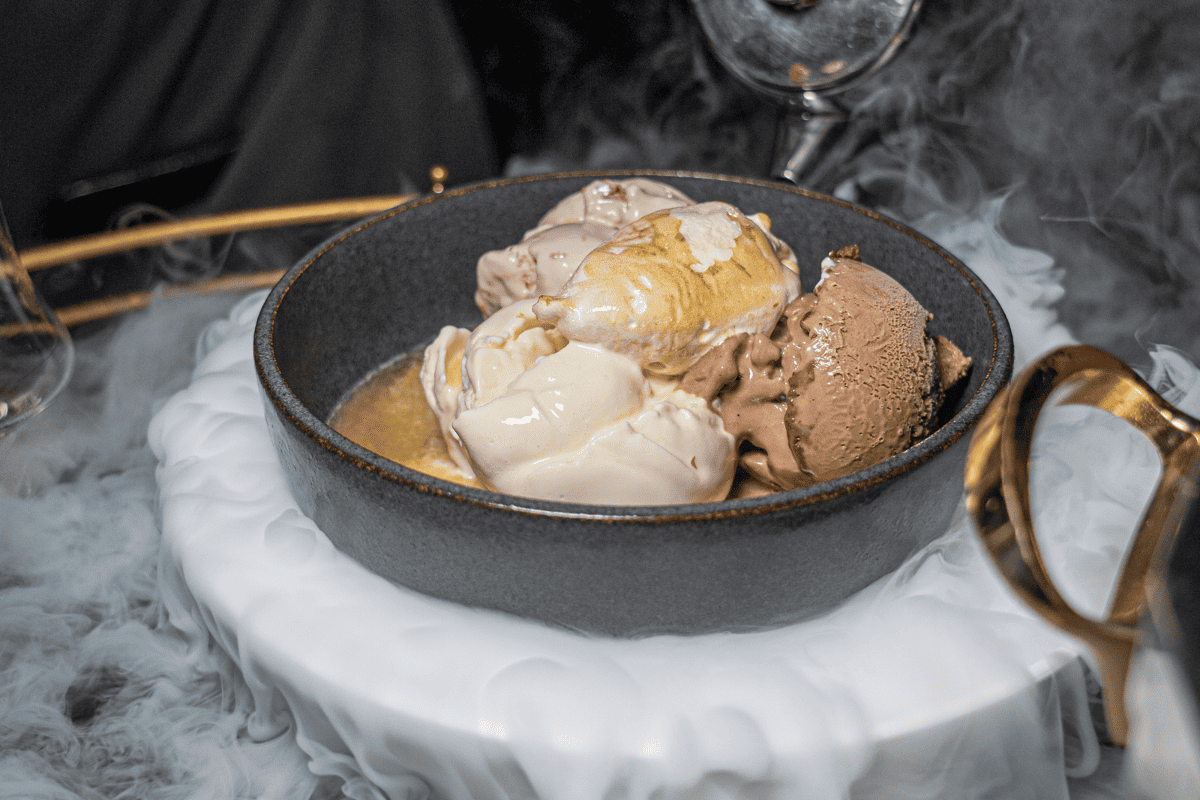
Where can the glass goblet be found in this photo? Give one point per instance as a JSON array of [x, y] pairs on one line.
[[36, 354]]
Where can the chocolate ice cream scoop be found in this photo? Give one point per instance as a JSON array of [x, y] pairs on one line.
[[747, 374], [849, 378]]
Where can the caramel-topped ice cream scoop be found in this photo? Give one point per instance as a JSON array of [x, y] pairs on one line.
[[674, 284]]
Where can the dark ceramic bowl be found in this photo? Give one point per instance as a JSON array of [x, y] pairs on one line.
[[385, 287]]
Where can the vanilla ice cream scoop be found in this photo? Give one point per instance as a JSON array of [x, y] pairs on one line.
[[463, 369], [501, 349], [585, 425], [530, 414], [441, 382], [672, 452], [674, 284]]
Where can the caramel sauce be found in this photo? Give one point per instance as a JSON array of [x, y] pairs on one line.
[[387, 414]]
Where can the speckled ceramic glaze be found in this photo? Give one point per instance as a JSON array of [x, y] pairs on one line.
[[386, 287]]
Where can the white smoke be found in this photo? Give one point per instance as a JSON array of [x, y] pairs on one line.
[[99, 697]]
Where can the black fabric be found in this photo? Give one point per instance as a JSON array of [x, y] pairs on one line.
[[265, 101]]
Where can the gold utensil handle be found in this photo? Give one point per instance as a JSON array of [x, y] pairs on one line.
[[997, 481]]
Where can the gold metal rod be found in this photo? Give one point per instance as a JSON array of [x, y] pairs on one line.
[[92, 310], [111, 306], [155, 233]]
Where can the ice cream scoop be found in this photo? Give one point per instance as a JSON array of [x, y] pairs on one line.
[[585, 425], [747, 374], [464, 369], [441, 383], [674, 284], [865, 383], [532, 415], [614, 204], [548, 254], [539, 264], [848, 379]]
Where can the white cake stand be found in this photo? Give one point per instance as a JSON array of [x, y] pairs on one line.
[[934, 682]]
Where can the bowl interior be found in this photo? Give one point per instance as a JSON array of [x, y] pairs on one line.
[[385, 287]]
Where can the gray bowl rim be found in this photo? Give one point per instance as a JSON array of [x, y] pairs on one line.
[[298, 415]]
